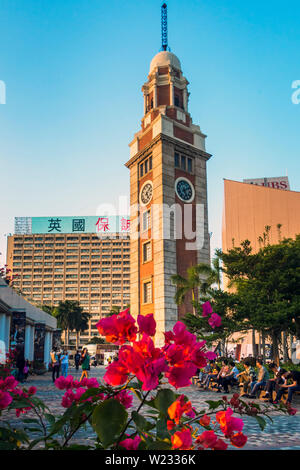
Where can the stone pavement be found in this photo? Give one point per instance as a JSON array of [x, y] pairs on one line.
[[283, 434]]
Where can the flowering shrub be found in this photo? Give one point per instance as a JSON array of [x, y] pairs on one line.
[[163, 419]]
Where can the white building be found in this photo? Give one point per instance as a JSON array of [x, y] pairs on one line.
[[23, 324]]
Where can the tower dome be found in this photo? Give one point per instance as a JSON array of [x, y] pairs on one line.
[[165, 58]]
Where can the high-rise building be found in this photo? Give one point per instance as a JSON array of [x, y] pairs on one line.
[[73, 258], [168, 194], [249, 207]]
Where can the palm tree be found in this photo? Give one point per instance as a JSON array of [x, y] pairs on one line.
[[198, 281], [71, 316], [81, 322]]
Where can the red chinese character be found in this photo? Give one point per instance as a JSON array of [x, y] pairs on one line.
[[102, 224], [125, 225]]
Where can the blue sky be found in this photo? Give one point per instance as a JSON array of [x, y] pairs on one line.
[[73, 72]]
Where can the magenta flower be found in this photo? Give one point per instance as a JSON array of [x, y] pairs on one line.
[[206, 309], [215, 320], [147, 324], [131, 444], [5, 400]]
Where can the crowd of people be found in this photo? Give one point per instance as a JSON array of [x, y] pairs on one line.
[[251, 380], [60, 362]]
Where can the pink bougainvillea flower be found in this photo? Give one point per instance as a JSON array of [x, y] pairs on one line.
[[9, 383], [60, 383], [207, 439], [215, 320], [125, 397], [68, 399], [170, 425], [291, 411], [5, 399], [229, 424], [180, 376], [116, 373], [80, 391], [206, 309], [180, 407], [131, 444], [182, 440], [205, 420], [238, 440], [92, 383], [210, 355], [143, 360], [119, 328], [32, 390], [220, 445], [147, 324]]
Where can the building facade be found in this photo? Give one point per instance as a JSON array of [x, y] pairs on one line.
[[24, 326], [248, 208], [168, 195], [90, 267]]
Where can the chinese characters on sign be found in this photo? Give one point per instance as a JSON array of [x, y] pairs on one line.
[[102, 224], [105, 224], [78, 225], [54, 224], [125, 225]]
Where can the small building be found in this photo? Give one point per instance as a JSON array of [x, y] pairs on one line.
[[25, 326]]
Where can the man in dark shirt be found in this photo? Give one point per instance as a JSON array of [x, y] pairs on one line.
[[294, 387], [77, 360]]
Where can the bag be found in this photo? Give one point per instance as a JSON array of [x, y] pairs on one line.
[[25, 370]]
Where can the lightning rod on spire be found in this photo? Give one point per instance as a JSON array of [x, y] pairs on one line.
[[164, 27]]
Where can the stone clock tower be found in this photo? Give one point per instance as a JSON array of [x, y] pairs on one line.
[[168, 195]]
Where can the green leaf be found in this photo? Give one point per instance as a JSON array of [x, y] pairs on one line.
[[108, 420], [164, 399], [159, 445], [261, 421], [162, 430], [141, 422], [213, 405], [91, 392]]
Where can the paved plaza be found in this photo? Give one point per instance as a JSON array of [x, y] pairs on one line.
[[283, 434]]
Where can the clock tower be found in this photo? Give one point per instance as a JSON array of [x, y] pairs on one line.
[[168, 195]]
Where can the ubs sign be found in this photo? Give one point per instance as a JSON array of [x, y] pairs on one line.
[[282, 182]]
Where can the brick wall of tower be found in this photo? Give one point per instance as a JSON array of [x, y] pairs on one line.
[[187, 258], [163, 95]]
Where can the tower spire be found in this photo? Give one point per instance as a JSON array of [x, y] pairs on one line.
[[164, 27]]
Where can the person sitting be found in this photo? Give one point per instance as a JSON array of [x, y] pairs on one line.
[[262, 378], [224, 376], [293, 387], [276, 380], [213, 376], [246, 377], [203, 373]]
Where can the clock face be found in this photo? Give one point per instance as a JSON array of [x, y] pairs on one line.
[[146, 193], [184, 189]]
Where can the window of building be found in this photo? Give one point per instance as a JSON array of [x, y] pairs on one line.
[[147, 252], [147, 292], [183, 162], [146, 221]]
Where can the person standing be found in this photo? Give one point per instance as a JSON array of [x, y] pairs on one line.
[[85, 363], [77, 359], [55, 364], [64, 362], [20, 364]]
